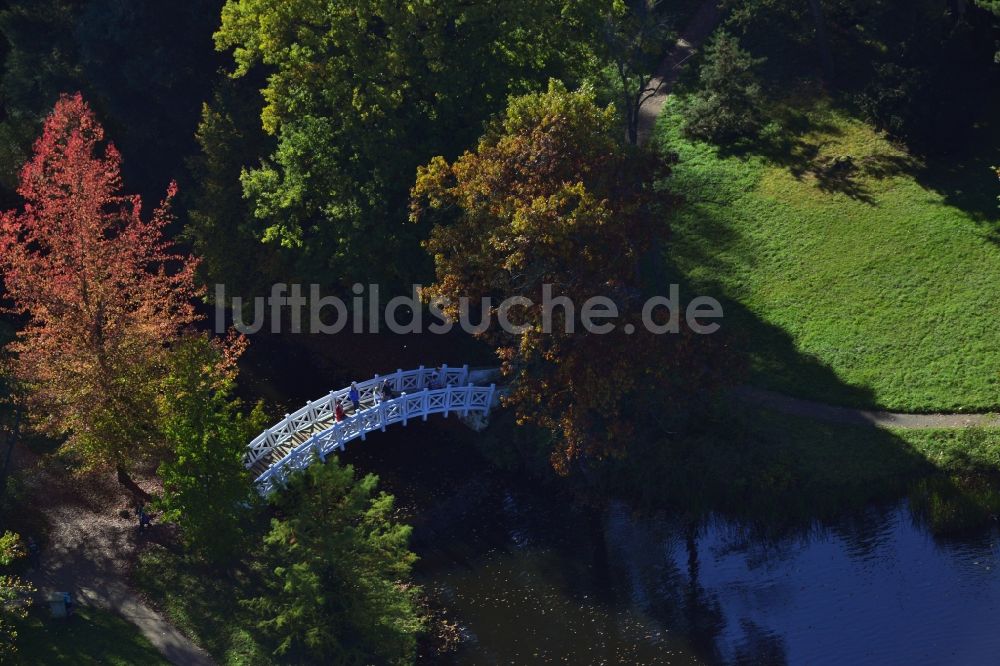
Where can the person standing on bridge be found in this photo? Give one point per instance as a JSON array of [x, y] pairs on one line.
[[338, 412], [386, 391], [354, 395]]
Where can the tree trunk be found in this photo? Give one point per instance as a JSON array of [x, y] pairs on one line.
[[123, 476], [632, 111], [126, 481]]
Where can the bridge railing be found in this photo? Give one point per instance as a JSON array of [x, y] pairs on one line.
[[320, 412], [420, 404]]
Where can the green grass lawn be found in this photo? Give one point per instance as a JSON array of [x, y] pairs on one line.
[[90, 637], [202, 604], [872, 286], [769, 468]]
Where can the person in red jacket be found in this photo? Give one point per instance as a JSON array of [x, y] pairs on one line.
[[338, 412]]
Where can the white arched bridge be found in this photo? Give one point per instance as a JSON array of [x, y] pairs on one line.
[[313, 432]]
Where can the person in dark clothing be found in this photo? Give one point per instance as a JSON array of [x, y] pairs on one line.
[[354, 395], [144, 519], [34, 554]]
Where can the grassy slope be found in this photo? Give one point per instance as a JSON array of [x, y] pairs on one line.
[[871, 290], [91, 637], [201, 604], [758, 464]]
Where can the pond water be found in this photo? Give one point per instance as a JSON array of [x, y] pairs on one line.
[[530, 577]]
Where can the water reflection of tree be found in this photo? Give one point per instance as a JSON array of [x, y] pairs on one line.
[[759, 647], [868, 530], [950, 507], [659, 561], [644, 555], [702, 610]]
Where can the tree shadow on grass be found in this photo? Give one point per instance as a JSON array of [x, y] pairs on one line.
[[775, 361], [91, 636], [204, 601], [966, 179], [792, 142]]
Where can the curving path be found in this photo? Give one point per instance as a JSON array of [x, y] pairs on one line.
[[697, 31], [90, 550], [819, 411]]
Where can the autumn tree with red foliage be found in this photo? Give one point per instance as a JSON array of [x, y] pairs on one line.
[[552, 196], [103, 292]]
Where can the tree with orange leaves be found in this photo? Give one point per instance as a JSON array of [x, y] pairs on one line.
[[103, 293], [552, 197]]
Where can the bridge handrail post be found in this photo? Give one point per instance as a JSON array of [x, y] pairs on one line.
[[286, 424], [318, 448], [447, 400], [425, 403], [404, 409], [489, 399], [468, 398]]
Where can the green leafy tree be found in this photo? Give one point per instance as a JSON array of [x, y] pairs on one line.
[[206, 489], [337, 570], [221, 226], [39, 64], [14, 594], [634, 34], [917, 69], [553, 198], [992, 6], [924, 88], [728, 104], [360, 93]]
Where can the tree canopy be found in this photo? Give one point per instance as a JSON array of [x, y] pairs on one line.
[[551, 196], [102, 289], [360, 93], [336, 589], [206, 488]]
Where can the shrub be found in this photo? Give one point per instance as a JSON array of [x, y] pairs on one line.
[[337, 589], [14, 594], [728, 104]]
